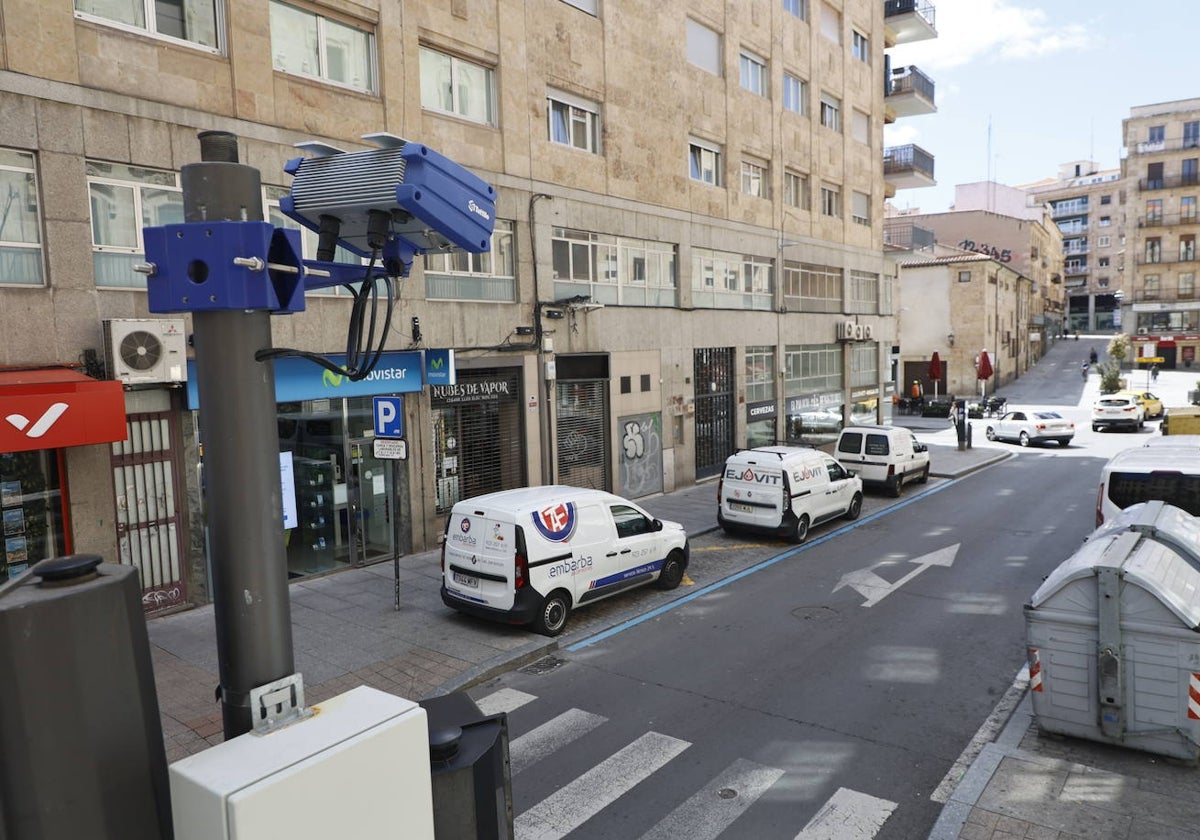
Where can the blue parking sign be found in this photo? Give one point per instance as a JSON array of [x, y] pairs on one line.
[[389, 418]]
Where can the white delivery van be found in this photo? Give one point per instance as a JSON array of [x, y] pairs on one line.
[[784, 490], [883, 456], [530, 556], [1146, 473]]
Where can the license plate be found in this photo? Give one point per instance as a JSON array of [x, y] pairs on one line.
[[740, 508], [469, 581]]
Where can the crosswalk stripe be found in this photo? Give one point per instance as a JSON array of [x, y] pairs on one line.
[[575, 803], [711, 810], [847, 814], [504, 700], [550, 736]]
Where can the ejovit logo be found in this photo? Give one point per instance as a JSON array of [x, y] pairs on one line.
[[557, 522], [43, 423], [749, 476]]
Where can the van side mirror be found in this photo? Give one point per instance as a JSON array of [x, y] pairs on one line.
[[657, 525], [920, 447]]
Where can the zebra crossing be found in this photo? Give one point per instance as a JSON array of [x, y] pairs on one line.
[[705, 815]]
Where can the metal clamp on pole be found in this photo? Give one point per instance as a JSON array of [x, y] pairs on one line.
[[278, 704]]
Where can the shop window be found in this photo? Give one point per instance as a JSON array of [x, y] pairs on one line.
[[31, 505]]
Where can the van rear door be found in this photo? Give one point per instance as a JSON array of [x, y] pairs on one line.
[[480, 565], [752, 494]]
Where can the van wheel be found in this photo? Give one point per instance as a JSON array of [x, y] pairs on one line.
[[897, 487], [924, 475], [552, 618], [800, 532], [672, 571], [855, 507]]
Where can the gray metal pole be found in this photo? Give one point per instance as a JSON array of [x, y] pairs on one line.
[[240, 442]]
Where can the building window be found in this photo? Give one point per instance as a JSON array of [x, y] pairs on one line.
[[812, 288], [1154, 250], [1105, 221], [704, 163], [20, 222], [1154, 210], [1154, 176], [124, 199], [812, 368], [799, 8], [1150, 287], [862, 294], [308, 237], [860, 126], [1189, 171], [724, 280], [964, 277], [795, 190], [457, 86], [612, 270], [322, 48], [831, 23], [754, 179], [1156, 134], [592, 7], [864, 364], [753, 73], [194, 21], [860, 212], [861, 47], [1106, 199], [1103, 241], [795, 94], [831, 112], [573, 122], [831, 200], [1187, 208], [490, 276], [703, 47], [1103, 262], [1187, 247], [1187, 284], [1191, 135], [760, 373]]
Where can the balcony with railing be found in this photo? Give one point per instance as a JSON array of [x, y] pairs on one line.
[[909, 92], [911, 20], [1168, 220], [1175, 144], [1075, 269], [1069, 207], [1168, 182], [908, 166], [905, 235], [1075, 248]]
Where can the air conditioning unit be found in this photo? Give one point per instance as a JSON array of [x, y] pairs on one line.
[[140, 351], [1142, 330]]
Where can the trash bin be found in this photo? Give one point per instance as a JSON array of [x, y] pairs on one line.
[[1113, 647]]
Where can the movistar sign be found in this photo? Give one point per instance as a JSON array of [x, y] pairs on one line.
[[439, 367]]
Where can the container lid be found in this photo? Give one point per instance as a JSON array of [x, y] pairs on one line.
[[1152, 566], [1163, 523]]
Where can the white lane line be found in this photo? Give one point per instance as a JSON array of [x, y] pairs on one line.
[[504, 700], [984, 736], [574, 804], [848, 815], [555, 733], [712, 809]]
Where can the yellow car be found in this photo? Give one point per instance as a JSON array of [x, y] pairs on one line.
[[1151, 405]]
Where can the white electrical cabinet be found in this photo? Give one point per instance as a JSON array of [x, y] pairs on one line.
[[359, 767]]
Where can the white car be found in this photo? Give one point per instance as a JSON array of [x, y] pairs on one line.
[[1117, 410], [1034, 426]]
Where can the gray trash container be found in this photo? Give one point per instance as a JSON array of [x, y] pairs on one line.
[[1114, 645]]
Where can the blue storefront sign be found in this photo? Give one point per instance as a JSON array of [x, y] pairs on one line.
[[439, 367], [298, 379]]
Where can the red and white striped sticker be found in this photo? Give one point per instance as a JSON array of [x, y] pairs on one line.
[[1035, 671], [1194, 696]]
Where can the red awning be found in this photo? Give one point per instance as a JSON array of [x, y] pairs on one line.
[[49, 408]]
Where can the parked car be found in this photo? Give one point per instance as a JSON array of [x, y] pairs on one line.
[[1034, 426], [531, 555], [1151, 405], [1121, 411], [883, 456], [784, 490]]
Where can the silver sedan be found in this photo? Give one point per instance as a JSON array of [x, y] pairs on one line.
[[1026, 427]]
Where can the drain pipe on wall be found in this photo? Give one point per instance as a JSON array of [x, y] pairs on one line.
[[545, 357]]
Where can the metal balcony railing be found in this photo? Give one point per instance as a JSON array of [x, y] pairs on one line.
[[1074, 207], [910, 80], [1168, 220], [893, 8], [1173, 145], [898, 160], [1168, 182], [902, 233]]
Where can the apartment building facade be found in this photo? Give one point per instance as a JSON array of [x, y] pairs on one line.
[[1161, 307], [687, 255], [1088, 205]]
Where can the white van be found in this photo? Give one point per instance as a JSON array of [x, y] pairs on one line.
[[784, 490], [883, 456], [530, 556], [1145, 473]]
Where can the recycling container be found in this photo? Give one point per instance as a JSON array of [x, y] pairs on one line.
[[1114, 645]]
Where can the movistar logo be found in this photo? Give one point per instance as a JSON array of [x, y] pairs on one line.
[[437, 364], [331, 380]]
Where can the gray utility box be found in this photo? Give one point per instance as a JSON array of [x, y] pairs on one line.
[[1114, 636]]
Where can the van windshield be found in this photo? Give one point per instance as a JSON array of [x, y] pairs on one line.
[[1178, 489]]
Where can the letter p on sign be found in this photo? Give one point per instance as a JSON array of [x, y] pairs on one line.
[[389, 419]]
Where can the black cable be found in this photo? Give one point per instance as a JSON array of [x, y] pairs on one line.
[[360, 362]]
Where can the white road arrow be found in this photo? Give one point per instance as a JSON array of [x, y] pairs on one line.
[[875, 588]]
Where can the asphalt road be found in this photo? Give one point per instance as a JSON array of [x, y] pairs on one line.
[[838, 682]]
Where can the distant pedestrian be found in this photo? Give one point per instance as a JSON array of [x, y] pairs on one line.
[[1154, 373], [1092, 357], [916, 391]]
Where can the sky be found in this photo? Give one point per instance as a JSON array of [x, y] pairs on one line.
[[1022, 86]]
